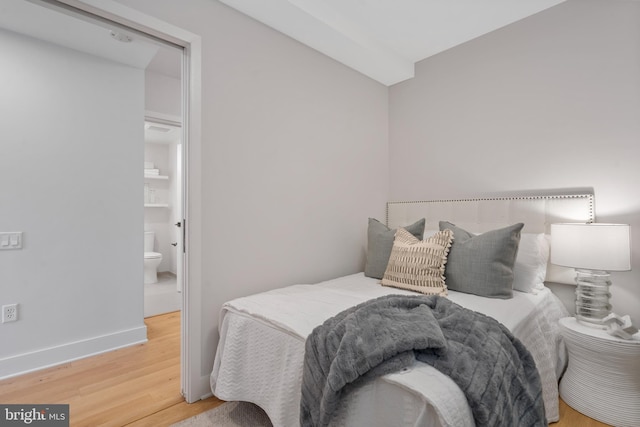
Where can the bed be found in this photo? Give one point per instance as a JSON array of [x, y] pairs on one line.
[[262, 337]]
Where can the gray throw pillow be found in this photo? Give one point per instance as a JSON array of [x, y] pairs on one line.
[[379, 245], [482, 264]]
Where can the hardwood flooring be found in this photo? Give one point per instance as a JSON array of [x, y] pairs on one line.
[[569, 417], [134, 386], [139, 386]]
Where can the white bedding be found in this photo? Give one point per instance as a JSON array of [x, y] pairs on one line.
[[261, 353]]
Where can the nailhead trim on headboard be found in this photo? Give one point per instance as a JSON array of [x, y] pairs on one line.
[[587, 196]]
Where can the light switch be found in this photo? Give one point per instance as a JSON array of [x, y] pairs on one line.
[[11, 240]]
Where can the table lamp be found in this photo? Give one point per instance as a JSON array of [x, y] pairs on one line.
[[593, 250]]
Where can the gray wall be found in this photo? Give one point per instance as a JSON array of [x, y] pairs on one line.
[[163, 94], [550, 102], [294, 158], [71, 154]]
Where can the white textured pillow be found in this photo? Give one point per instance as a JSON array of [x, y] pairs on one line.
[[530, 268], [418, 265]]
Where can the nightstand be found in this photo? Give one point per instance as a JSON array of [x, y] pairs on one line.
[[602, 379]]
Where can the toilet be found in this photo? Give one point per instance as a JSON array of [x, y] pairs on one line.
[[151, 259]]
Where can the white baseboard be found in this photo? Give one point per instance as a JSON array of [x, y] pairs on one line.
[[44, 358]]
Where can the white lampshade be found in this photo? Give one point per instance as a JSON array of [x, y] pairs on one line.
[[596, 246]]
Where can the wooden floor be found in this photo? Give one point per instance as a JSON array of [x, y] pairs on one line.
[[135, 386], [139, 386]]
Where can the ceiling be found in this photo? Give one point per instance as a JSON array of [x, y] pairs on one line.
[[383, 39], [158, 133], [94, 37]]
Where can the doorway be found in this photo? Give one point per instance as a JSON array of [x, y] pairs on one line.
[[163, 215], [132, 23]]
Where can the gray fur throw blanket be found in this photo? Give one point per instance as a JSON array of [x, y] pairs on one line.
[[493, 368]]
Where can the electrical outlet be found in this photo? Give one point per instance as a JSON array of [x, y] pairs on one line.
[[9, 313]]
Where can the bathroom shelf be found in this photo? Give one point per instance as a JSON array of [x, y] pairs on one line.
[[156, 205], [156, 177]]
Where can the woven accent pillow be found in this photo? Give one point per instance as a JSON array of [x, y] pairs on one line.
[[418, 265]]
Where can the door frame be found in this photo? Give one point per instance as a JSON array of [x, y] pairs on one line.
[[195, 386]]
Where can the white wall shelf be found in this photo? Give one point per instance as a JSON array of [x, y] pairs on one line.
[[156, 177], [156, 205]]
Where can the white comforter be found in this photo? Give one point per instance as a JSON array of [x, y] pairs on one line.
[[261, 352]]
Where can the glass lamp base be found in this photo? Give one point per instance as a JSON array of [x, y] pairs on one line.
[[592, 297]]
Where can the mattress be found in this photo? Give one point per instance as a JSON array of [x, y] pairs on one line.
[[261, 352]]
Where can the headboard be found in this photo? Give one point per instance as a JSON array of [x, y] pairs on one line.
[[484, 214]]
